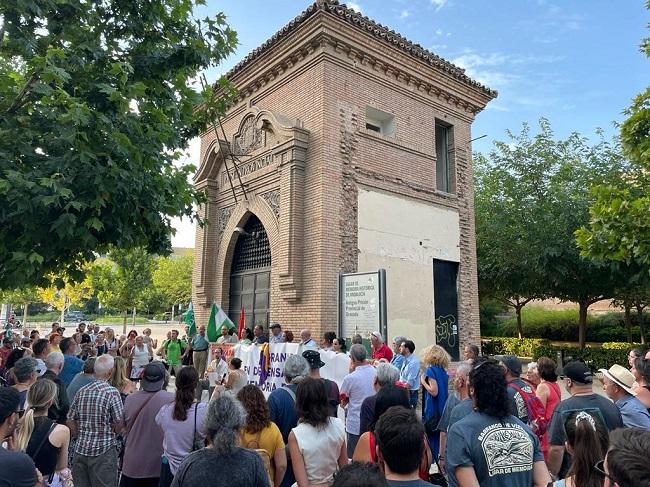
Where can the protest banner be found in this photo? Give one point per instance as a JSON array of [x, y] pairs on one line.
[[264, 365]]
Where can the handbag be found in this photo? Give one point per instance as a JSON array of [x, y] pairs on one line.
[[197, 442], [431, 424]]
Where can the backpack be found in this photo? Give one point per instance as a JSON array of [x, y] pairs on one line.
[[536, 412], [254, 445]]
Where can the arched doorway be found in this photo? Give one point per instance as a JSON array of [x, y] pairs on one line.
[[250, 275]]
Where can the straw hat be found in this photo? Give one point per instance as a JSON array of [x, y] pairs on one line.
[[620, 376]]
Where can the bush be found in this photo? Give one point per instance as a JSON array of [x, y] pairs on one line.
[[596, 357], [562, 325]]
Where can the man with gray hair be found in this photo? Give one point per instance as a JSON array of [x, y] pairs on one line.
[[25, 374], [59, 411], [95, 415], [357, 385], [461, 395], [398, 358], [238, 466], [282, 404], [386, 374]]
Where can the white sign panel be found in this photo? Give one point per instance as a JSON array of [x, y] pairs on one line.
[[361, 303]]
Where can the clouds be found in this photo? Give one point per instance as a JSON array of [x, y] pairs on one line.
[[355, 6], [438, 4], [404, 14]]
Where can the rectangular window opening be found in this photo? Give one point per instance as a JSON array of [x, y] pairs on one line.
[[445, 170], [380, 122]]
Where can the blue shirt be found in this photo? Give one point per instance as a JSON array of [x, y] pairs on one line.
[[199, 343], [410, 372], [397, 360], [634, 413], [71, 367]]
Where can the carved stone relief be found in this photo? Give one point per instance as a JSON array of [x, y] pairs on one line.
[[272, 198], [250, 137], [222, 219]]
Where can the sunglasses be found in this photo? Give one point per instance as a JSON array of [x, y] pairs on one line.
[[600, 468]]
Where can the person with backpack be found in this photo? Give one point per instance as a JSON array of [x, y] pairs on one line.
[[173, 351], [490, 447], [522, 401], [261, 434]]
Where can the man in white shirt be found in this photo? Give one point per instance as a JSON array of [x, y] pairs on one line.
[[306, 341], [356, 386]]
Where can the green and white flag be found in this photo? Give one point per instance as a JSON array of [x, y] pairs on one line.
[[189, 321], [218, 318]]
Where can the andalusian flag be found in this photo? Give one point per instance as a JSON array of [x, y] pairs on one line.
[[189, 321], [218, 318]]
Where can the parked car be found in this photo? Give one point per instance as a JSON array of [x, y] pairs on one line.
[[74, 316]]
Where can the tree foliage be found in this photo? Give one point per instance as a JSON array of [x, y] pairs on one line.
[[618, 228], [122, 278], [533, 192], [22, 297], [96, 103], [173, 279], [62, 292]]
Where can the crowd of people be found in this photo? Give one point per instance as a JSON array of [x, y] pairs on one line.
[[93, 409]]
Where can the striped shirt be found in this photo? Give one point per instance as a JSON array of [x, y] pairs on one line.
[[96, 408]]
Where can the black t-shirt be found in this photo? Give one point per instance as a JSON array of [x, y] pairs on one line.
[[17, 469]]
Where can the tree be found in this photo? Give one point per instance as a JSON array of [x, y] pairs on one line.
[[122, 278], [617, 229], [173, 279], [96, 105], [22, 297], [62, 292], [539, 190]]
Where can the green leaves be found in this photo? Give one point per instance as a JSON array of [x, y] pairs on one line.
[[95, 100]]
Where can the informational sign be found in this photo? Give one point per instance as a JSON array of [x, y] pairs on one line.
[[264, 365], [362, 303]]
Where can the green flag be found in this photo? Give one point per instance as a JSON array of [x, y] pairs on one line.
[[189, 321], [218, 318]]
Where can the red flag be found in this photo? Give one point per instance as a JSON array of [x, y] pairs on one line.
[[242, 323]]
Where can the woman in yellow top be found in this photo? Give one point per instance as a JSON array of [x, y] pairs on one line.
[[262, 433]]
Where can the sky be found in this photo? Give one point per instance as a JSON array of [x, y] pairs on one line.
[[574, 62]]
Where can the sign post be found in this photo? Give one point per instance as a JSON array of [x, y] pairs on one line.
[[362, 304]]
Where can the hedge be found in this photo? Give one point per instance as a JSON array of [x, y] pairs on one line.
[[597, 358]]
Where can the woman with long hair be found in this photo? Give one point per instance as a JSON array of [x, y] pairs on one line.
[[476, 448], [111, 340], [317, 445], [182, 424], [435, 383], [235, 466], [127, 345], [338, 345], [587, 443], [262, 433], [641, 388], [45, 441], [120, 380], [549, 393]]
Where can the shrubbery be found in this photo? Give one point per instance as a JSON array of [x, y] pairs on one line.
[[598, 358], [560, 325]]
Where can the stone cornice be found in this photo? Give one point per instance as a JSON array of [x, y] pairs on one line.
[[332, 9]]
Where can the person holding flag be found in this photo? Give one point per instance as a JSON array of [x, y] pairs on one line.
[[217, 321]]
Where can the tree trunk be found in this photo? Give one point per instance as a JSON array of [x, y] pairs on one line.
[[173, 306], [133, 319], [25, 312], [126, 315], [628, 321], [520, 326], [582, 323], [639, 312]]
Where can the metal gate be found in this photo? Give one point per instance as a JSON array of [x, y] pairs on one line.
[[250, 275]]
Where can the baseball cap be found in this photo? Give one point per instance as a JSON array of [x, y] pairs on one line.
[[153, 377], [579, 372], [511, 362], [313, 358]]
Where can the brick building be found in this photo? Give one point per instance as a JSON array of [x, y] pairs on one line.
[[352, 145]]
